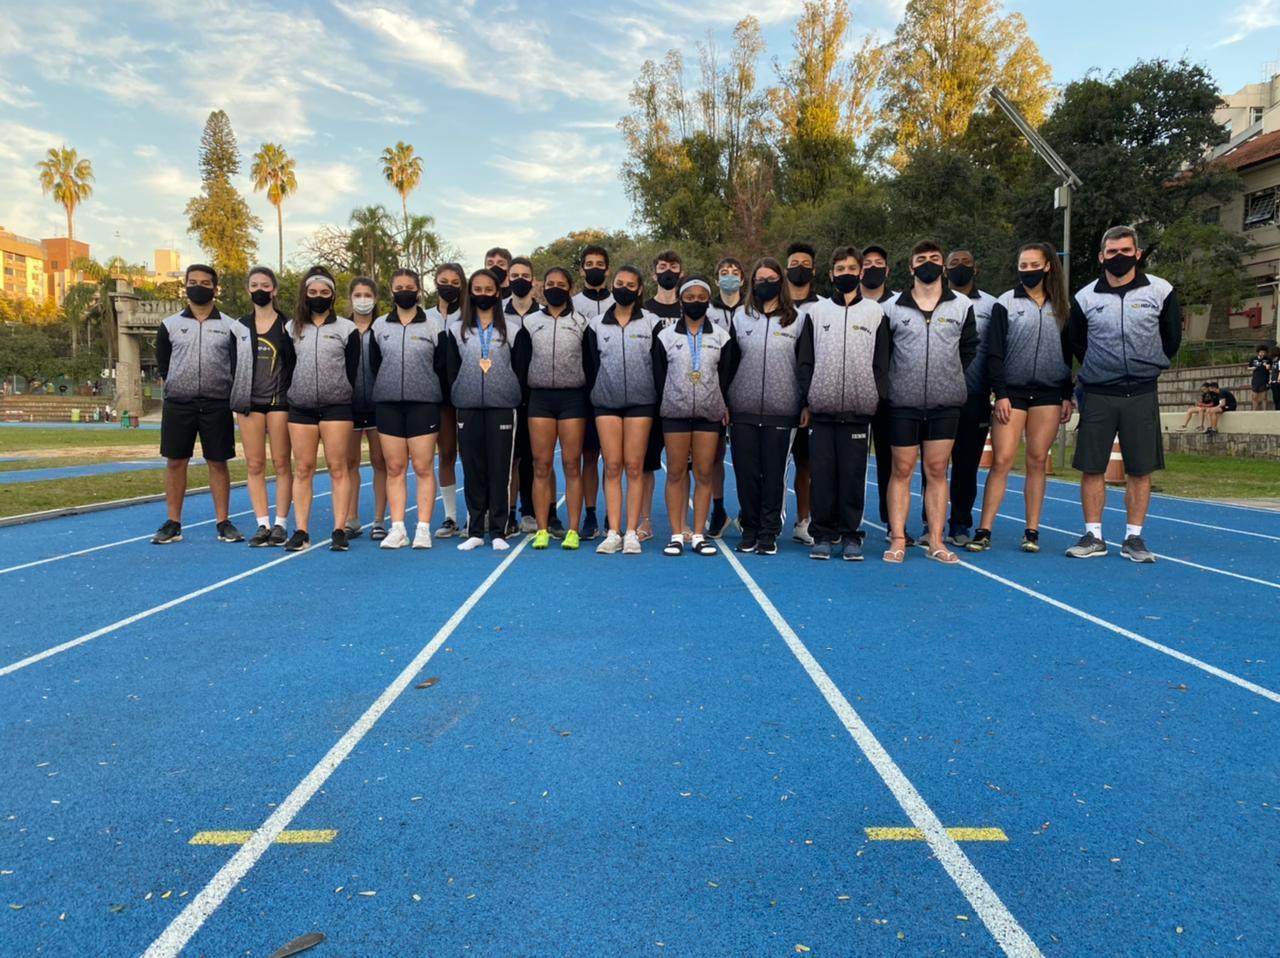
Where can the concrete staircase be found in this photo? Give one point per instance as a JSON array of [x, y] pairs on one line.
[[41, 408]]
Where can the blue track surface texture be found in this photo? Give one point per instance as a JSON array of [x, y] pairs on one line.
[[625, 756]]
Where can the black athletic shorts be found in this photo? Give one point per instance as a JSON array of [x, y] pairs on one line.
[[181, 422], [1135, 418], [363, 419], [267, 409], [591, 436], [407, 420], [690, 425], [340, 412], [800, 447], [910, 427], [559, 404], [1025, 399], [629, 412]]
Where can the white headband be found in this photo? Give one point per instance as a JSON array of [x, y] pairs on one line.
[[689, 284], [318, 278]]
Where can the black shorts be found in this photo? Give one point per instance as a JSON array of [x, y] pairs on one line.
[[690, 425], [629, 412], [340, 412], [407, 420], [1135, 418], [181, 422], [591, 436], [559, 404], [910, 427], [1024, 399], [258, 407], [363, 419], [800, 447]]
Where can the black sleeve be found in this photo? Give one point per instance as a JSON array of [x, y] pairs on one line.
[[590, 358], [164, 351], [440, 364], [997, 338], [1068, 387], [452, 358], [521, 357], [728, 366], [353, 356], [804, 359], [375, 355], [1171, 324], [968, 339], [235, 354], [882, 356], [658, 355], [1077, 331], [288, 360]]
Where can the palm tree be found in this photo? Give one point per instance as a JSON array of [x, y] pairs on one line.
[[68, 178], [272, 171], [403, 170]]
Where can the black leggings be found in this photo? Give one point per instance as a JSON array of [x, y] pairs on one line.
[[837, 480], [486, 439], [884, 458], [760, 467]]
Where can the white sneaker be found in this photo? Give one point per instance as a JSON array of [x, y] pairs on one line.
[[422, 537], [612, 544], [466, 545], [529, 524], [631, 544], [501, 545], [397, 538], [800, 533]]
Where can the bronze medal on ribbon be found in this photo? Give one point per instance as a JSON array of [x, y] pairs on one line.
[[486, 364]]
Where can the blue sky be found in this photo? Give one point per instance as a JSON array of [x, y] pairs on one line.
[[512, 104]]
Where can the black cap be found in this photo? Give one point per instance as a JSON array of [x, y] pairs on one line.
[[876, 248]]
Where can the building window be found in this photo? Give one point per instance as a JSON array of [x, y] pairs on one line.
[[1211, 216], [1260, 209], [1255, 114]]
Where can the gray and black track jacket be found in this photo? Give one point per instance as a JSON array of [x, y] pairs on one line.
[[362, 388], [619, 359], [722, 315], [679, 396], [592, 302], [975, 374], [503, 386], [408, 360], [209, 359], [1125, 336], [325, 362], [930, 353], [766, 387], [555, 350], [1026, 351], [843, 362]]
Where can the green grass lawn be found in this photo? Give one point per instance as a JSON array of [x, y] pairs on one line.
[[12, 439]]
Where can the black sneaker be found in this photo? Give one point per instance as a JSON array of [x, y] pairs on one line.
[[555, 526], [338, 541], [354, 530], [512, 528], [448, 529], [261, 538], [718, 522], [227, 532], [297, 542], [278, 536], [852, 550], [1031, 540], [169, 532], [747, 543], [1135, 550], [981, 541], [590, 526], [766, 546], [821, 551]]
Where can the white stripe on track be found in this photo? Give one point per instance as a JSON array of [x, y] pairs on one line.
[[189, 921], [1009, 935]]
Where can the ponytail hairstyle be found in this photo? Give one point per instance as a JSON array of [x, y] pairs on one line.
[[469, 312], [787, 314], [1055, 284], [411, 273], [372, 284], [263, 271], [457, 271], [302, 316], [568, 278]]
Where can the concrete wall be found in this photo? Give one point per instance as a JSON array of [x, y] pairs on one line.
[[1180, 388]]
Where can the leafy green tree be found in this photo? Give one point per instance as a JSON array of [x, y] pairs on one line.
[[219, 217], [402, 168], [273, 171], [69, 178]]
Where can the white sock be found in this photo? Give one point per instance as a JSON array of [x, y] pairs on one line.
[[450, 496], [261, 520], [282, 521], [424, 528], [1094, 527], [397, 526], [1132, 530], [696, 539]]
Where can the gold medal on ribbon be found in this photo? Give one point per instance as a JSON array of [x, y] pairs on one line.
[[695, 376], [486, 364]]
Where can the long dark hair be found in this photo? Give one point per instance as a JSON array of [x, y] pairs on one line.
[[787, 308], [1055, 285], [302, 316], [568, 278], [469, 317], [447, 268]]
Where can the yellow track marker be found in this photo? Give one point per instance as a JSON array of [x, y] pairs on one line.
[[957, 834], [301, 836]]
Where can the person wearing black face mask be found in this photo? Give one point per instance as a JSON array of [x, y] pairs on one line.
[[934, 338], [498, 261], [693, 363], [668, 268], [206, 361], [801, 258], [448, 280], [875, 288], [592, 301], [1125, 329]]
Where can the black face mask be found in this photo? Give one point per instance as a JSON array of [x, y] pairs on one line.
[[260, 297], [625, 296], [767, 290], [695, 310], [669, 280], [450, 294], [499, 272], [960, 275], [846, 282], [200, 295], [874, 276], [319, 304], [928, 272], [595, 276], [483, 302], [554, 295], [1030, 278], [405, 298], [800, 275], [521, 287], [1120, 264]]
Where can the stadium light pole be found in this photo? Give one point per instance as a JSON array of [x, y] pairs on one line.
[[1070, 182]]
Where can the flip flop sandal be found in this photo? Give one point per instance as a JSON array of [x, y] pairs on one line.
[[673, 548], [895, 556], [644, 532], [943, 556]]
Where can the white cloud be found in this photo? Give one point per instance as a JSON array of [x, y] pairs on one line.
[[146, 151], [171, 183], [557, 157], [715, 12], [508, 209], [1252, 16], [472, 246], [323, 188]]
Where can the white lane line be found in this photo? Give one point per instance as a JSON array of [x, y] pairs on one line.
[[183, 927], [1120, 630], [1011, 937]]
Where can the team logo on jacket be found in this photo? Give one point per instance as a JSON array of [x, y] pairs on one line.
[[827, 327]]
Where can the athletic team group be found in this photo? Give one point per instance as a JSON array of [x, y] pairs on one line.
[[749, 365]]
